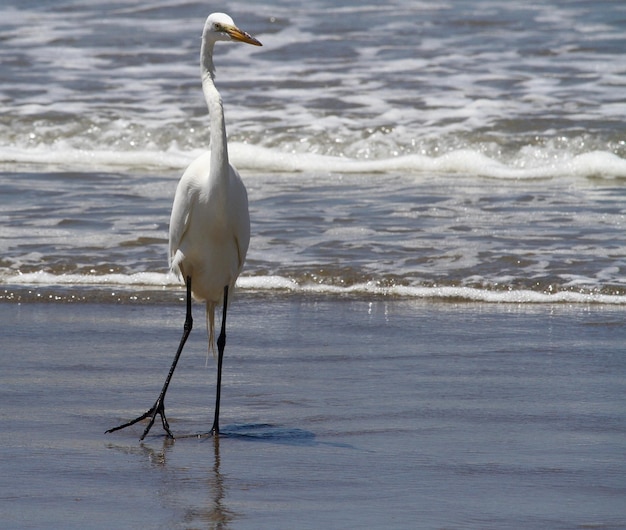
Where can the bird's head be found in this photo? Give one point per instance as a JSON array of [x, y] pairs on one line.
[[219, 26]]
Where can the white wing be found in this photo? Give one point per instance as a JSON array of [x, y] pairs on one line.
[[179, 221]]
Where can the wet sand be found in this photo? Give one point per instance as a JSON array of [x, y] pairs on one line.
[[336, 413]]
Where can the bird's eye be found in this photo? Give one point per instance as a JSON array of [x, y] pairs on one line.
[[218, 27]]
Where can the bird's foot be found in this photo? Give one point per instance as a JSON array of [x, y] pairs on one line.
[[158, 408]]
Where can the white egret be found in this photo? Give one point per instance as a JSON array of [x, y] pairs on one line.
[[210, 224]]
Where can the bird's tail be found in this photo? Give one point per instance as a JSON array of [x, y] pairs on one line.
[[210, 326]]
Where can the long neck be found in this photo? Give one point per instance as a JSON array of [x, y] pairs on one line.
[[219, 148]]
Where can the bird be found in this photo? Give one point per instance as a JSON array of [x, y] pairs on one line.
[[209, 230]]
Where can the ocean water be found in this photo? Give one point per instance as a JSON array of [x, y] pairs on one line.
[[465, 150]]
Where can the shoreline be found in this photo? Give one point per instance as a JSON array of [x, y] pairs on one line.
[[165, 294]]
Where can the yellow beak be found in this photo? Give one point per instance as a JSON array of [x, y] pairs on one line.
[[236, 34]]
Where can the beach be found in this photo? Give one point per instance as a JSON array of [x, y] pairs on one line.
[[336, 413]]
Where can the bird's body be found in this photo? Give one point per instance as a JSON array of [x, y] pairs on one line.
[[209, 233], [210, 224]]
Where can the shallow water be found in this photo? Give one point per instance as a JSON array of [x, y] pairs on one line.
[[335, 412], [413, 236]]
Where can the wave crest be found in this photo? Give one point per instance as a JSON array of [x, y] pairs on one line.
[[528, 164]]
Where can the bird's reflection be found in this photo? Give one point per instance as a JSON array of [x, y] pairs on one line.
[[214, 514], [217, 514], [211, 513], [187, 481]]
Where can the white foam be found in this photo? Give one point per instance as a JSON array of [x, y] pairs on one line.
[[137, 279], [280, 284], [469, 294], [266, 283], [530, 163], [462, 161], [88, 159]]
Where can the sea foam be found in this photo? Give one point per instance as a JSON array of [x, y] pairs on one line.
[[525, 166], [277, 283]]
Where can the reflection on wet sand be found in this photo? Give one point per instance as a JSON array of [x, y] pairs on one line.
[[176, 480]]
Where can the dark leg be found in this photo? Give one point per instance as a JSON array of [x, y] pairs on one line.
[[159, 405], [221, 342]]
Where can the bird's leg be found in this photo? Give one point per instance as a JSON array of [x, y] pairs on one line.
[[221, 342], [159, 405]]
